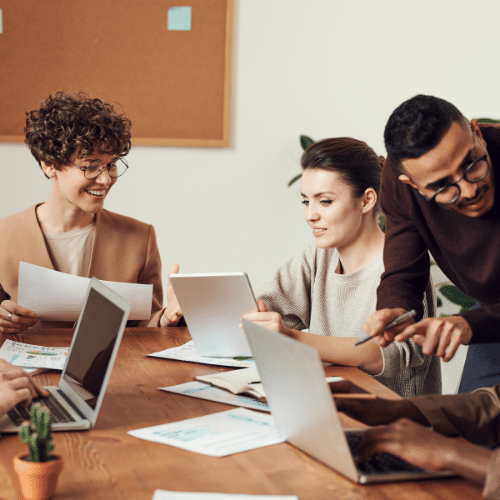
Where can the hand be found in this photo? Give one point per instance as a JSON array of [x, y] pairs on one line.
[[16, 386], [270, 320], [373, 412], [438, 337], [20, 319], [172, 313], [411, 442], [378, 320]]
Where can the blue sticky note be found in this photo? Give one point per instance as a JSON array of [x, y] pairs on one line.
[[179, 19]]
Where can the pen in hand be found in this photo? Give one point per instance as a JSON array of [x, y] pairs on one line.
[[392, 324]]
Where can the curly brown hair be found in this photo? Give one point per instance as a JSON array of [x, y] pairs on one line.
[[68, 124]]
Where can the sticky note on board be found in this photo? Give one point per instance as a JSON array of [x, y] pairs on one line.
[[179, 19], [1, 22]]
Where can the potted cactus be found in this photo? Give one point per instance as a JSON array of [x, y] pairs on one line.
[[38, 471]]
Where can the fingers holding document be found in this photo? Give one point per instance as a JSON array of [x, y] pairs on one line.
[[14, 318]]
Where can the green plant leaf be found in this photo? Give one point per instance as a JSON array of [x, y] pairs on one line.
[[487, 120], [305, 141], [295, 179], [453, 294]]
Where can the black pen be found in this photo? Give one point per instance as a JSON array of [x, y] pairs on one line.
[[392, 324]]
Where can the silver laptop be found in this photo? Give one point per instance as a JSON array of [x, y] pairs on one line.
[[75, 402], [305, 414], [212, 305]]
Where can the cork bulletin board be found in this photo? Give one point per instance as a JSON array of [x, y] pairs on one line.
[[165, 63]]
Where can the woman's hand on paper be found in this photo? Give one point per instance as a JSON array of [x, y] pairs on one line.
[[267, 319], [14, 318], [16, 386], [172, 313]]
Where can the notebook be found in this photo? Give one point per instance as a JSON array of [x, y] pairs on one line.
[[305, 414], [79, 394], [212, 305]]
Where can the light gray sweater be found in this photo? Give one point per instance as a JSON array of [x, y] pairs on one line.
[[308, 294]]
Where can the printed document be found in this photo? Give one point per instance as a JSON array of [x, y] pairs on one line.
[[32, 358], [56, 296], [217, 434], [188, 352], [206, 391], [182, 495]]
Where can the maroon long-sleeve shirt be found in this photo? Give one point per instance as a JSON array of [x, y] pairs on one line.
[[466, 249]]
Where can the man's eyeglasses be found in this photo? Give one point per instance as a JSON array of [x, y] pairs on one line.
[[475, 172], [95, 167]]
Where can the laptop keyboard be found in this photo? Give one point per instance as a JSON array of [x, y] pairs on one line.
[[381, 462], [57, 412]]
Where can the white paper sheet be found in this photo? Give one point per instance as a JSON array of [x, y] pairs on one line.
[[31, 357], [188, 352], [218, 434], [182, 495], [206, 391], [56, 296]]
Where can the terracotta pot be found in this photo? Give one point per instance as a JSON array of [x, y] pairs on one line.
[[38, 479]]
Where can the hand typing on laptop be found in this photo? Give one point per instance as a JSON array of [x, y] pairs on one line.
[[407, 437], [16, 386]]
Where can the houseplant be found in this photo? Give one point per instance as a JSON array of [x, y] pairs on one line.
[[38, 471]]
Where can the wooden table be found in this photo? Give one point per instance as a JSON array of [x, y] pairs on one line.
[[106, 463]]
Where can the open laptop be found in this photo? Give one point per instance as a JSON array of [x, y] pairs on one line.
[[305, 414], [75, 402], [212, 305]]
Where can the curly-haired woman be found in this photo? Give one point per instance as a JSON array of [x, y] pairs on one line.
[[79, 143]]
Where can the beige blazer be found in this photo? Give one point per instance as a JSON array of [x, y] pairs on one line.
[[124, 249]]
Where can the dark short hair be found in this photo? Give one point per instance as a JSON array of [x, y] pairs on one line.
[[416, 126], [67, 124], [356, 162]]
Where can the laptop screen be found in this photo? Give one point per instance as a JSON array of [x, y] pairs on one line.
[[91, 352]]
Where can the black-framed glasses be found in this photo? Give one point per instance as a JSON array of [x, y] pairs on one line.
[[475, 172], [95, 168]]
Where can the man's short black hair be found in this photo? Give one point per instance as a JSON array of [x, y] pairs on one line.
[[416, 126]]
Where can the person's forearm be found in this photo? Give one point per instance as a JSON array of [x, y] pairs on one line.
[[468, 460], [341, 351]]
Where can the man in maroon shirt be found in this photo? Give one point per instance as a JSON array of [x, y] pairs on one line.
[[438, 196]]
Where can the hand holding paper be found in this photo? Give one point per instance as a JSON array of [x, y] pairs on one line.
[[56, 296]]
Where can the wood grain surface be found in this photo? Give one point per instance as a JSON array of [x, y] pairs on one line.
[[106, 463]]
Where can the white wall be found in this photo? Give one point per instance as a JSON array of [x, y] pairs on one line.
[[317, 67]]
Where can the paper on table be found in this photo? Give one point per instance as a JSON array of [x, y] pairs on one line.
[[206, 391], [56, 296], [182, 495], [31, 357], [188, 352], [218, 434]]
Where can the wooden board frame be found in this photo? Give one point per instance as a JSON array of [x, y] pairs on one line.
[[176, 90]]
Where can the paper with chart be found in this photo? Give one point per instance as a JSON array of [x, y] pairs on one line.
[[183, 495], [188, 352], [32, 357], [56, 296], [206, 391], [218, 434]]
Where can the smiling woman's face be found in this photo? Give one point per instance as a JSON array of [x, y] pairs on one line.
[[74, 191], [331, 211]]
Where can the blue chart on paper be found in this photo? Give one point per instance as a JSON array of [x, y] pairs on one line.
[[185, 435]]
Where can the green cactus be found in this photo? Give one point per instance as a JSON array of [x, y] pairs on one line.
[[36, 434]]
